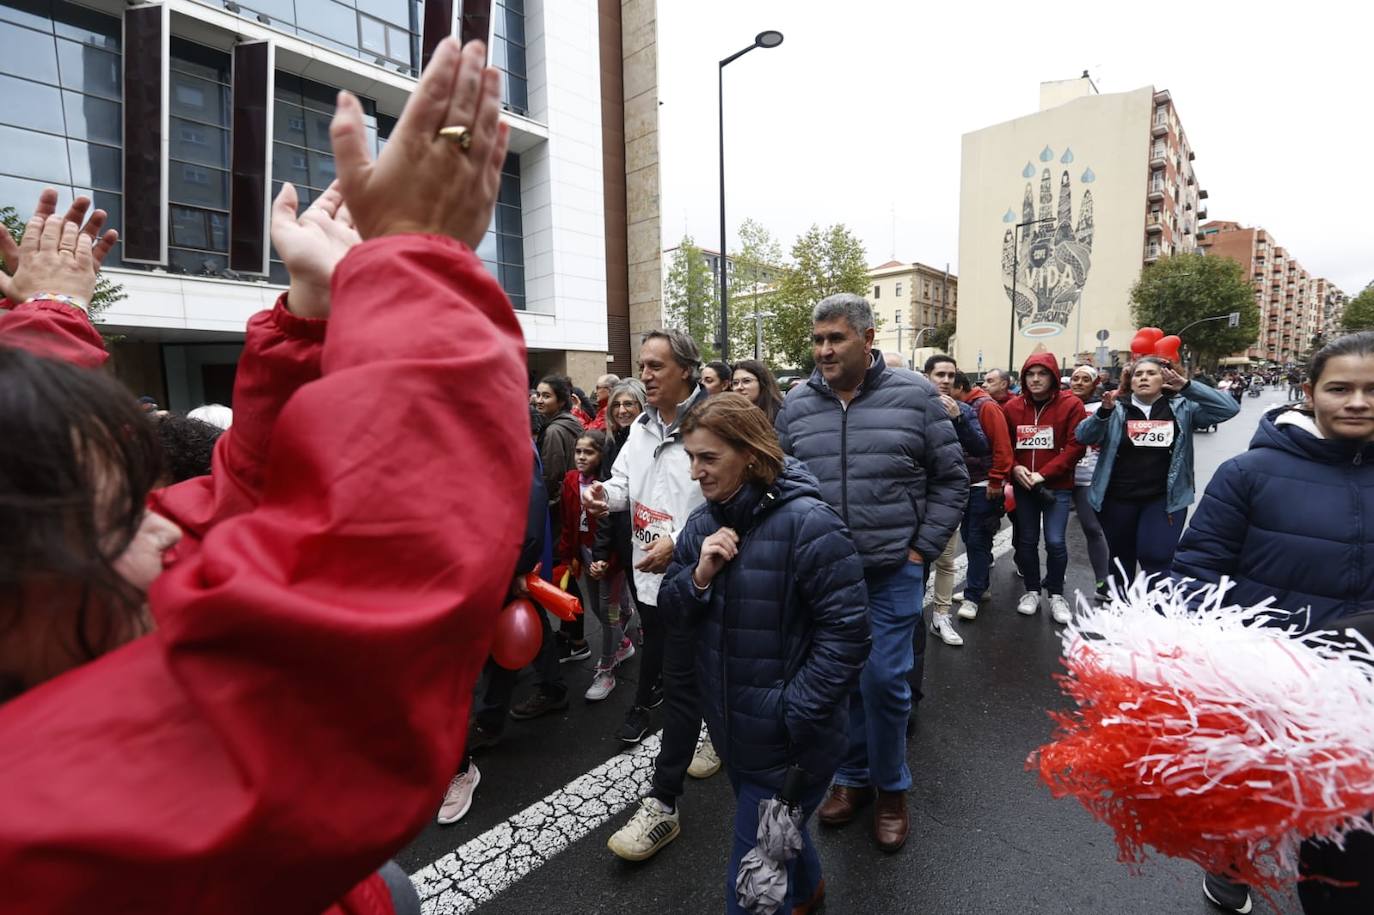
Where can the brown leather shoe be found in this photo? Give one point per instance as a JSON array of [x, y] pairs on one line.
[[842, 804], [812, 904], [891, 823]]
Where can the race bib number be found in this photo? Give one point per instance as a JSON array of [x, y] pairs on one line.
[[1151, 433], [649, 524], [1035, 438]]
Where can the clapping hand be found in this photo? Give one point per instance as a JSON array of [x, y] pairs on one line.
[[1109, 399], [311, 245], [55, 257], [101, 242], [424, 182], [1173, 381]]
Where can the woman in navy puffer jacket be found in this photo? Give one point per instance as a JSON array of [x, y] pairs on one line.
[[769, 578]]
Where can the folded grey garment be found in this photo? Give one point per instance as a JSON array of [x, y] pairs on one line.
[[404, 899]]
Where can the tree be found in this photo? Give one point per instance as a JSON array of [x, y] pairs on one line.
[[1359, 312], [689, 297], [940, 336], [1175, 291], [758, 263], [107, 292], [823, 264]]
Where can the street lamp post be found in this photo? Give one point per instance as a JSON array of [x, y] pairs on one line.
[[768, 39], [1015, 269], [757, 317]]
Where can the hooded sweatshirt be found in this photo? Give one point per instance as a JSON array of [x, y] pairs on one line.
[[1042, 434]]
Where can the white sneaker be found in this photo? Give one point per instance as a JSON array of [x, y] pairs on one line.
[[647, 832], [602, 684], [458, 797], [706, 761], [968, 610], [943, 626], [1059, 609], [1029, 603]]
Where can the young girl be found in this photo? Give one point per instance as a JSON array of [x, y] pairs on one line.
[[575, 547]]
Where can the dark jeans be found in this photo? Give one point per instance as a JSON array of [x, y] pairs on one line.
[[981, 520], [803, 871], [1141, 532], [1054, 519], [681, 711]]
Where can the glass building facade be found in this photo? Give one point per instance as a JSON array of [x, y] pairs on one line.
[[384, 32]]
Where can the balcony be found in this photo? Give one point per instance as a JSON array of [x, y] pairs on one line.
[[1202, 213], [1154, 223], [1160, 127], [1152, 252], [1156, 193], [1158, 157]]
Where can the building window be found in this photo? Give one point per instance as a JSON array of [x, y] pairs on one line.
[[60, 126], [503, 247], [898, 319], [508, 53], [898, 293], [381, 32], [925, 290], [198, 160], [877, 292]]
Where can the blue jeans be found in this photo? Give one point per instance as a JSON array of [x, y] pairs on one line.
[[879, 708], [1030, 518], [803, 871], [981, 519]]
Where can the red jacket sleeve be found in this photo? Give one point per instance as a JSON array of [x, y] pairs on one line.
[[281, 353], [570, 514], [1067, 415], [296, 716], [994, 423], [54, 330]]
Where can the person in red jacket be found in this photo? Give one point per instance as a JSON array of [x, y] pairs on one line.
[[987, 479], [1042, 420], [261, 725]]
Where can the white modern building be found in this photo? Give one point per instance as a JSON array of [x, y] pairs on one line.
[[183, 118]]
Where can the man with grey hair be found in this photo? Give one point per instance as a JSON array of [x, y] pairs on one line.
[[888, 460], [652, 479], [604, 385], [895, 361]]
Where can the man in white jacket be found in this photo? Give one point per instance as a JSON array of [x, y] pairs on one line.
[[652, 478]]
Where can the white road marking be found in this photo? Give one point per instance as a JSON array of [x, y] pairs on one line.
[[485, 866], [498, 858]]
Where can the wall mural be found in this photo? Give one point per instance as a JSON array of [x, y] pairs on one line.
[[1052, 262]]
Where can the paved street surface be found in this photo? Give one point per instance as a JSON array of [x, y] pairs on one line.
[[986, 835]]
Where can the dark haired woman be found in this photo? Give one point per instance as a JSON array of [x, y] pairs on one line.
[[767, 575], [1143, 482], [1293, 519], [288, 718], [715, 378], [753, 380]]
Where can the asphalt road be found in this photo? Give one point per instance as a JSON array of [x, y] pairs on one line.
[[986, 835]]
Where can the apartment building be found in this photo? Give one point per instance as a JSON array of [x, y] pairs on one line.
[[910, 300]]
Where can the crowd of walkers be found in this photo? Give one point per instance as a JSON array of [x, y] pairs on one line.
[[220, 606]]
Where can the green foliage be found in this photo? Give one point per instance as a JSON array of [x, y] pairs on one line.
[[1359, 312], [690, 302], [107, 292], [1175, 291], [939, 337], [758, 263], [823, 263]]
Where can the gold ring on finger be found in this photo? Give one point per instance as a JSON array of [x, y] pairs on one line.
[[459, 135]]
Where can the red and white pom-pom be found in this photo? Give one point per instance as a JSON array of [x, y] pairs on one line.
[[1206, 734]]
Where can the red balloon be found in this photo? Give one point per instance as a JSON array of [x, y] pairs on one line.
[[1009, 497], [1167, 348], [1142, 345], [1154, 333], [518, 635]]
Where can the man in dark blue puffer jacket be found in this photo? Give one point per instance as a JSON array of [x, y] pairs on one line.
[[887, 459]]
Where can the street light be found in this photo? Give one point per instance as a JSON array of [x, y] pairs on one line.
[[758, 317], [768, 39], [1015, 269]]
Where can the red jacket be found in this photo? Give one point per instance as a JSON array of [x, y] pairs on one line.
[[994, 423], [294, 718], [1057, 418], [571, 536], [599, 421]]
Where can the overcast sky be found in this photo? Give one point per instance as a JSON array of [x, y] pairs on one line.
[[860, 112]]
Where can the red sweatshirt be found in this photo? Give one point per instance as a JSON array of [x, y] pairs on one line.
[[1043, 435], [994, 423], [295, 716]]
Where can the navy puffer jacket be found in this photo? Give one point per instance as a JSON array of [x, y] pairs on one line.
[[1292, 519], [890, 463], [782, 633]]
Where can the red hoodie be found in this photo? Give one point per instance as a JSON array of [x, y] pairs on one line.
[[1043, 435], [294, 718]]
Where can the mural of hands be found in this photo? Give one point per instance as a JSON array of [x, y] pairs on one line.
[[1054, 256]]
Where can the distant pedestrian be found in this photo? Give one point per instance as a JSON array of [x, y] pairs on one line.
[[1084, 384], [997, 384], [715, 378], [887, 458], [987, 479], [1294, 384], [604, 386]]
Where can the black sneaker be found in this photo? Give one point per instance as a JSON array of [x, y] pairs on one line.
[[636, 726], [1226, 894], [569, 650], [480, 740], [541, 703], [655, 697]]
